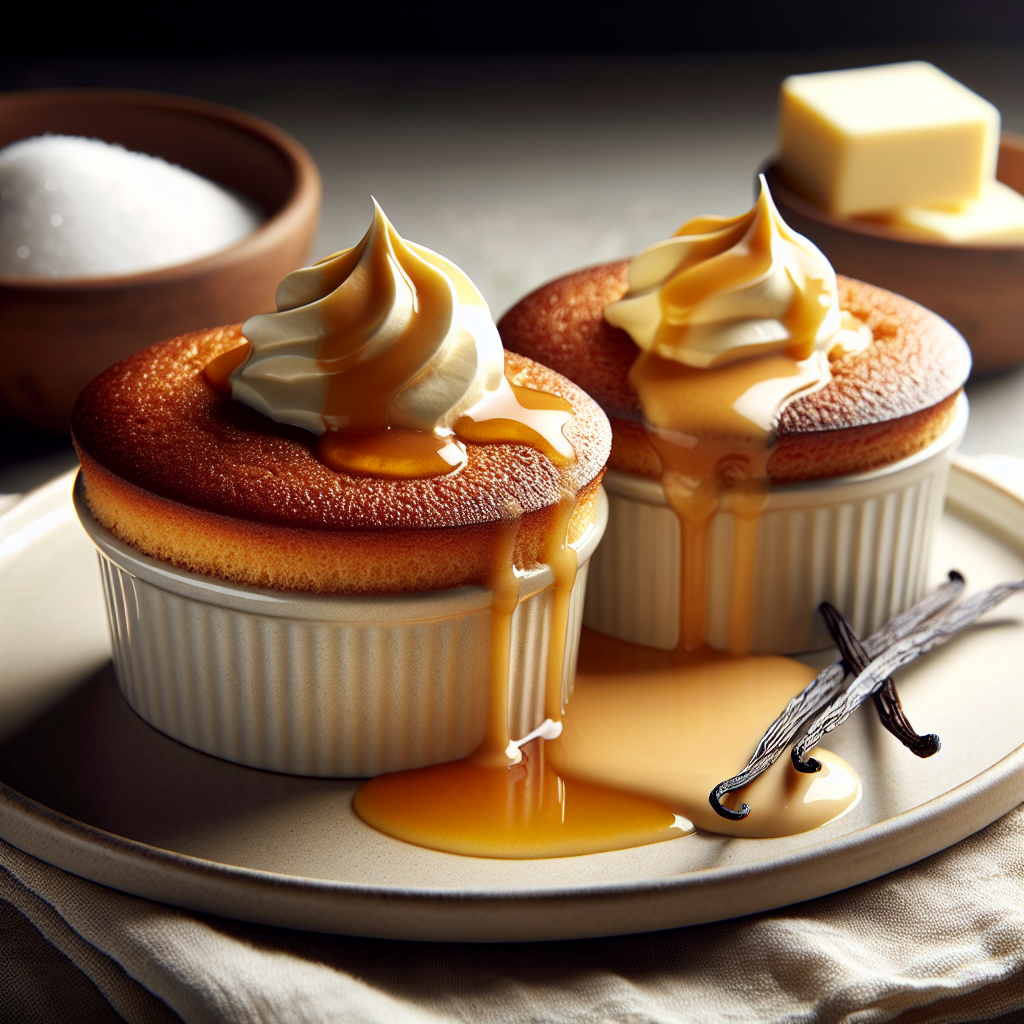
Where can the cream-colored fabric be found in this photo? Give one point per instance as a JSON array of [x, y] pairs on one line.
[[50, 974], [942, 940]]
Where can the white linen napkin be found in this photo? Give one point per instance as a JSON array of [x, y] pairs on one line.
[[942, 940]]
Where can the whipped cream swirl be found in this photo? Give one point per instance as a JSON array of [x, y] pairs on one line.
[[727, 288], [385, 334]]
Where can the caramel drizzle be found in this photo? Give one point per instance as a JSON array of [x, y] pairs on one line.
[[561, 557], [361, 384], [725, 255], [712, 426], [714, 459], [497, 749], [510, 415], [505, 800], [362, 380], [504, 581], [395, 454], [519, 415], [219, 369]]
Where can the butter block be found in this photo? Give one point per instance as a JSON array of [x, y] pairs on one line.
[[998, 216], [869, 140]]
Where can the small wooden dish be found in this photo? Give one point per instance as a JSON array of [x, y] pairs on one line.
[[979, 289], [57, 333]]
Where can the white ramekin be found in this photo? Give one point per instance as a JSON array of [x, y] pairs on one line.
[[322, 685], [861, 542]]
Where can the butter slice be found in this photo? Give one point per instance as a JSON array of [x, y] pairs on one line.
[[998, 216], [869, 140]]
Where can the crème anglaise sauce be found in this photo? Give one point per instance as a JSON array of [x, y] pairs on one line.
[[383, 352]]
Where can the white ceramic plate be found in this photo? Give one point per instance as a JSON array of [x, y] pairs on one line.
[[86, 785]]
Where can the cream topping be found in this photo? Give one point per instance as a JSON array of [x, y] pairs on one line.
[[728, 288], [387, 334]]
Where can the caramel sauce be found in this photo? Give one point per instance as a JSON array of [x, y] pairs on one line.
[[727, 314], [503, 800], [359, 397], [518, 415], [498, 751], [527, 810], [510, 415], [393, 453], [218, 371], [650, 733], [715, 458], [561, 557]]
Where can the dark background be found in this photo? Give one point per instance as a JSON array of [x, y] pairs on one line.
[[484, 27]]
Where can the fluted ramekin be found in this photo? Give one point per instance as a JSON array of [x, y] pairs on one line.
[[861, 542], [323, 685]]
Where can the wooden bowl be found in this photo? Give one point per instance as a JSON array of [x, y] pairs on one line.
[[57, 333], [979, 289]]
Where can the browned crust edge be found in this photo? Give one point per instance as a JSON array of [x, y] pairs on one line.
[[267, 555]]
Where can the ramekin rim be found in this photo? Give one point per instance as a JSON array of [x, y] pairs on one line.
[[417, 606]]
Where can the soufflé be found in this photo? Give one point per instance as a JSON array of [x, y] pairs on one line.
[[309, 521], [781, 436]]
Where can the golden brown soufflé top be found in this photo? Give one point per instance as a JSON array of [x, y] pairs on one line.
[[187, 474], [881, 404]]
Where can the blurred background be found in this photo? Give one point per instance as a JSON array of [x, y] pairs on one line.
[[523, 141]]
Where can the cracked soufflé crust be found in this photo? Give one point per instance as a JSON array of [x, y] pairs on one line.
[[881, 405], [188, 475]]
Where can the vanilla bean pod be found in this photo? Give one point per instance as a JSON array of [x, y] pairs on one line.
[[822, 690], [894, 718], [944, 627], [916, 616], [887, 699]]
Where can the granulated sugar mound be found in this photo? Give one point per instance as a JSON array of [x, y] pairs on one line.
[[74, 207]]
